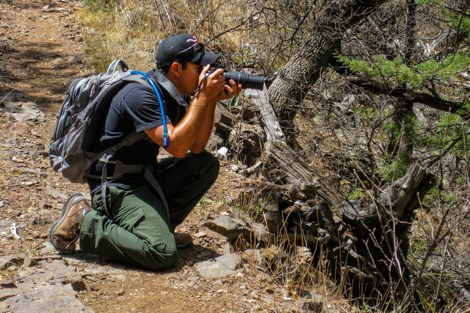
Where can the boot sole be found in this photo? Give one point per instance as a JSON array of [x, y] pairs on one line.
[[65, 210]]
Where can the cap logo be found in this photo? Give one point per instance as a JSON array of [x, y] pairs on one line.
[[196, 45], [193, 40]]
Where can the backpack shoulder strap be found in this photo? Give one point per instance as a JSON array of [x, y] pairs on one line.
[[168, 85]]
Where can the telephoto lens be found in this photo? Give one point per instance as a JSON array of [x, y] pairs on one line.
[[246, 80]]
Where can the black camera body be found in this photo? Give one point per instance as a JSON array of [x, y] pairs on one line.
[[247, 81]]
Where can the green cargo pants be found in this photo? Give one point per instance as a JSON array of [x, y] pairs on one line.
[[140, 231]]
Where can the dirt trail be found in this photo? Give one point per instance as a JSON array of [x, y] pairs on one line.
[[41, 50]]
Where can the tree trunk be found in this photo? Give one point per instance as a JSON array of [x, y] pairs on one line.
[[303, 69]]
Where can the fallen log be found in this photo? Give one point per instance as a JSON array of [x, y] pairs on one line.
[[283, 165]]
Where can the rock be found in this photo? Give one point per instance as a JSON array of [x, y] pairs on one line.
[[312, 307], [48, 248], [20, 127], [94, 287], [260, 233], [304, 255], [200, 234], [274, 257], [4, 307], [272, 214], [59, 63], [253, 255], [78, 285], [29, 262], [41, 220], [71, 60], [8, 261], [229, 227], [8, 284], [50, 286], [219, 267], [24, 111]]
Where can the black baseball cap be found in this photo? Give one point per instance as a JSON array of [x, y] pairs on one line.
[[183, 47]]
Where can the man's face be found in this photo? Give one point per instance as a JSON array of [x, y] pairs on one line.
[[190, 77]]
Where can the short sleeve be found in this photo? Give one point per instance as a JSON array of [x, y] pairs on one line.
[[142, 106]]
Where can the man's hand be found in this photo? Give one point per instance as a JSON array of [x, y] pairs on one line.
[[231, 90], [213, 87]]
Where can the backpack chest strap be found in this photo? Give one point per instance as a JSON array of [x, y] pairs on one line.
[[115, 169]]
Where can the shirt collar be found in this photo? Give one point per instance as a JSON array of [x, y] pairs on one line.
[[166, 84]]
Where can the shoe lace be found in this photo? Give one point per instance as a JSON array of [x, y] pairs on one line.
[[74, 231]]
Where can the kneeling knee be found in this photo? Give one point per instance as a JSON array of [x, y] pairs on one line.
[[171, 259], [159, 260]]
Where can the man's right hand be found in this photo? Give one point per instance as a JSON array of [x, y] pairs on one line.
[[211, 86]]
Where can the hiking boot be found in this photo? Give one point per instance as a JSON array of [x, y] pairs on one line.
[[65, 231], [183, 240]]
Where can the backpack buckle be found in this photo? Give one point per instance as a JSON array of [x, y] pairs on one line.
[[118, 169]]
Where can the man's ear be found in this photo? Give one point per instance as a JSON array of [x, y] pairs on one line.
[[176, 68]]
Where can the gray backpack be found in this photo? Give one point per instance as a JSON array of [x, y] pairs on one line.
[[82, 116]]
